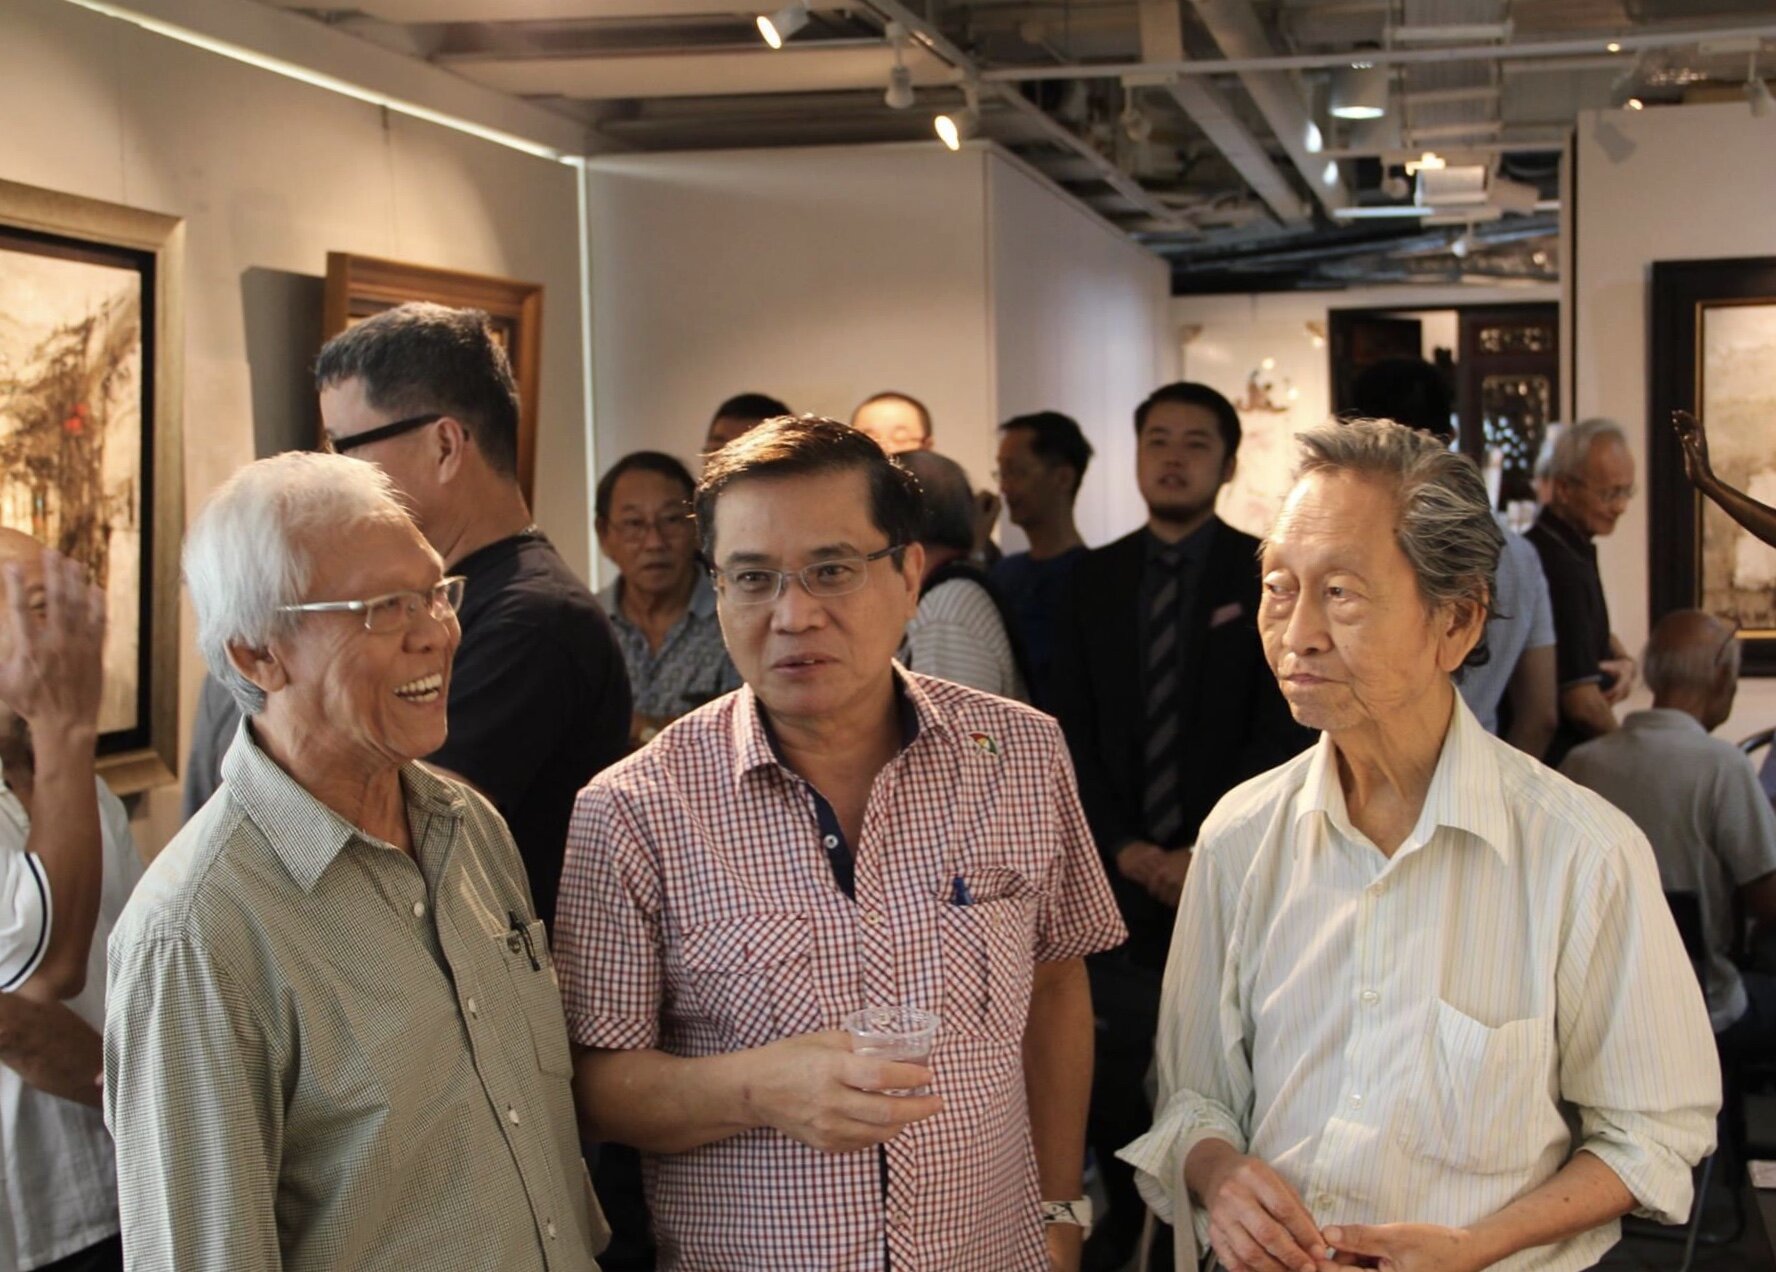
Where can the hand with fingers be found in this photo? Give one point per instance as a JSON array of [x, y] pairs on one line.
[[1257, 1223], [1404, 1247], [815, 1089], [52, 639], [1693, 438]]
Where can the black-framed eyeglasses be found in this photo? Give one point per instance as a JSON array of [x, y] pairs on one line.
[[393, 611], [836, 576], [382, 432]]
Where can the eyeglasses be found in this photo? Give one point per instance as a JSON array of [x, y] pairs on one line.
[[393, 611], [1609, 495], [840, 576], [668, 525], [382, 432]]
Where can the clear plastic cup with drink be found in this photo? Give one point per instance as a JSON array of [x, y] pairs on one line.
[[904, 1034]]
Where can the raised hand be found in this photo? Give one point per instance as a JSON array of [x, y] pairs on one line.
[[1693, 438], [52, 639]]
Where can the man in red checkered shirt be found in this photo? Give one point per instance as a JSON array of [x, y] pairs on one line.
[[837, 834]]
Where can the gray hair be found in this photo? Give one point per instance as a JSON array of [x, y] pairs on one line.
[[946, 504], [1445, 524], [1573, 446], [250, 549], [1687, 650]]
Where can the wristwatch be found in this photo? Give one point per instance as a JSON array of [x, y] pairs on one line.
[[1077, 1212]]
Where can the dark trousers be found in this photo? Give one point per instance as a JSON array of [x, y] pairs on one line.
[[616, 1175], [1125, 1000], [1752, 1037], [106, 1256]]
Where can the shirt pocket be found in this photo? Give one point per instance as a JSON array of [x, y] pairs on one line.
[[988, 960], [1483, 1103], [537, 993], [751, 977]]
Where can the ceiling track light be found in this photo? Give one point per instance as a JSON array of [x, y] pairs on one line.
[[956, 127], [1359, 91], [900, 94], [782, 25], [1136, 124]]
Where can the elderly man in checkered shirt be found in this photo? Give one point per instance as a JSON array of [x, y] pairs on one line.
[[836, 834]]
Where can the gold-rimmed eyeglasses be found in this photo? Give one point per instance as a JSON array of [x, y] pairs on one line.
[[393, 611]]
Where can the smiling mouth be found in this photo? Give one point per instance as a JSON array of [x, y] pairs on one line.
[[425, 689], [801, 661]]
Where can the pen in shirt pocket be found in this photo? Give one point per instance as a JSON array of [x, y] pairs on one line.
[[520, 932], [959, 893]]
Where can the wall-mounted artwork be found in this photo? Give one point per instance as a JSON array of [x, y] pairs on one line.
[[90, 456], [1714, 354], [359, 286]]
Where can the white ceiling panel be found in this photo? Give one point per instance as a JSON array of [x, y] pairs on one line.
[[791, 70]]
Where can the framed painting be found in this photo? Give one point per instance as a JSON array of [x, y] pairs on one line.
[[359, 286], [1714, 354], [91, 330]]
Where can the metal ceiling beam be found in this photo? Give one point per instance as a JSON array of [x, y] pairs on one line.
[[1162, 40], [1528, 50], [925, 34]]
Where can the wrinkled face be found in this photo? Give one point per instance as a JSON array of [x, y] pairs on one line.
[[724, 429], [375, 697], [649, 534], [1595, 500], [1033, 487], [895, 425], [405, 458], [809, 657], [1180, 461], [1345, 628]]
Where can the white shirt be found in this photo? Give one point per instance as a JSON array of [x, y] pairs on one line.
[[60, 1177], [957, 635], [1402, 1039]]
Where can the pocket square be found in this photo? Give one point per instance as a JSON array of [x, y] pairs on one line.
[[1226, 613]]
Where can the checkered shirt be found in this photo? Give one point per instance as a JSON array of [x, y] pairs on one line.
[[699, 915]]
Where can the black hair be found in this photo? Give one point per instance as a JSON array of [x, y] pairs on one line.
[[1409, 391], [644, 462], [895, 395], [946, 500], [1057, 438], [749, 406], [1187, 393], [806, 446], [421, 357]]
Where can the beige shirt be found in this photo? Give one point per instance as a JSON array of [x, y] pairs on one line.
[[1405, 1039], [321, 1053]]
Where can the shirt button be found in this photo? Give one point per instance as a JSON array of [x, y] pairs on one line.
[[1325, 1202], [831, 841], [473, 1010], [512, 1114], [1370, 998], [872, 918], [419, 909], [1356, 1101], [550, 1229], [1378, 887]]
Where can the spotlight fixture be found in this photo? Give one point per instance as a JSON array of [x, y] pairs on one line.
[[900, 80], [1359, 91], [1634, 103], [780, 26], [1135, 123], [957, 127], [1614, 46]]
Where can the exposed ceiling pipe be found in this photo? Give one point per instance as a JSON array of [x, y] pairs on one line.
[[1528, 50], [923, 32], [1162, 40], [1235, 27]]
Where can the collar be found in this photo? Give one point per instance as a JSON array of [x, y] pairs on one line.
[[1191, 548], [755, 741], [1568, 534], [1466, 791], [1663, 718], [702, 602], [305, 834], [499, 549]]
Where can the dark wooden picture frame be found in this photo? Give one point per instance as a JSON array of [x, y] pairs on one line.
[[359, 286], [58, 399], [1682, 294]]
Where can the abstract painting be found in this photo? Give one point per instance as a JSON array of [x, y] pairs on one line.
[[89, 438]]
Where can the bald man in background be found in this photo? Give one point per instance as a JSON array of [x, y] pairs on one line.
[[67, 865], [1696, 798]]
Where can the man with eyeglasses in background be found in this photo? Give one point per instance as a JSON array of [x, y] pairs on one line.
[[839, 834], [661, 603], [1591, 478], [539, 701]]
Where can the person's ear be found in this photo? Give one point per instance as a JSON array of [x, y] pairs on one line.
[[450, 448], [1229, 468], [260, 666], [1463, 625], [912, 573]]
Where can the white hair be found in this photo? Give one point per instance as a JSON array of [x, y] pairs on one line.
[[250, 550], [1573, 447]]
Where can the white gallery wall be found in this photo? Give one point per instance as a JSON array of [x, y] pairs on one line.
[[270, 176], [822, 275], [1668, 183]]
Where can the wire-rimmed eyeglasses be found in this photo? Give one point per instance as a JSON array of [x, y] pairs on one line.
[[835, 576], [393, 611]]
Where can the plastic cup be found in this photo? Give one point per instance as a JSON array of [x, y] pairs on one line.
[[894, 1033]]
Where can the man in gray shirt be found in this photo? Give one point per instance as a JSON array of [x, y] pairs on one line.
[[1696, 798]]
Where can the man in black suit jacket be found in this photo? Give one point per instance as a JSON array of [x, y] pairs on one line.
[[1144, 712]]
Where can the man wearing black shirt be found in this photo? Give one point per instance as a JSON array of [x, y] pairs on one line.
[[539, 698], [1592, 477]]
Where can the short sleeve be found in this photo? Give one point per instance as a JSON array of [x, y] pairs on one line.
[[25, 916], [1535, 597], [607, 927], [1079, 915]]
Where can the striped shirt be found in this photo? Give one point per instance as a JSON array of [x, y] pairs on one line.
[[1402, 1039], [323, 1053], [700, 915], [958, 635]]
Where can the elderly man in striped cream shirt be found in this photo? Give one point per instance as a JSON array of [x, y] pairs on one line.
[[1425, 1006]]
